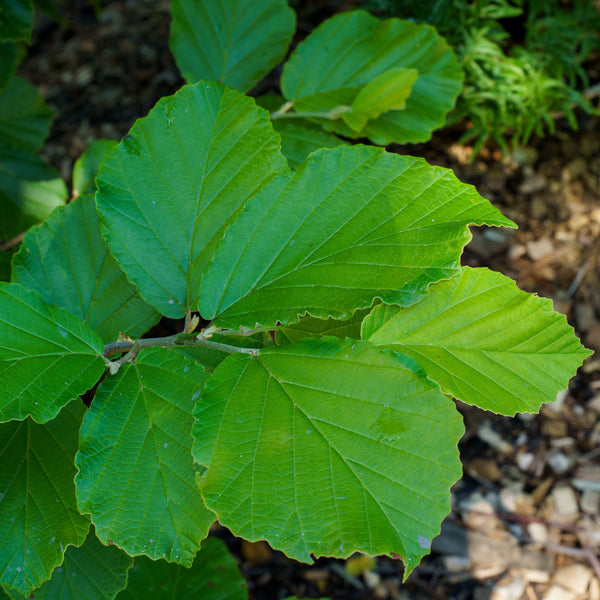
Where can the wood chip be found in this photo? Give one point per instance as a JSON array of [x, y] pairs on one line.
[[575, 578]]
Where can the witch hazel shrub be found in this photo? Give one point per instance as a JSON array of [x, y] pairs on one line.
[[312, 408]]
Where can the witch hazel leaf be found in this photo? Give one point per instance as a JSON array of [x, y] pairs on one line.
[[91, 571], [484, 341], [169, 189], [136, 441], [352, 224], [353, 49], [47, 356], [38, 512], [68, 262], [236, 42], [387, 91], [328, 447], [214, 575]]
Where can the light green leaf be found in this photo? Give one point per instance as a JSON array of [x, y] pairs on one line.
[[236, 42], [167, 191], [86, 166], [25, 118], [328, 447], [348, 51], [29, 190], [47, 356], [16, 20], [484, 341], [136, 475], [214, 575], [38, 514], [352, 224], [311, 327], [91, 572], [386, 92], [67, 261]]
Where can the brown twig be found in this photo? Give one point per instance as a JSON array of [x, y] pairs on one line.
[[12, 242]]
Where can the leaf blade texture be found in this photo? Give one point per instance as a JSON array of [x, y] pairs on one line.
[[484, 341], [167, 191], [214, 575], [68, 262], [136, 475], [38, 510], [353, 224], [236, 42], [47, 356], [91, 571], [320, 448], [346, 52], [86, 166]]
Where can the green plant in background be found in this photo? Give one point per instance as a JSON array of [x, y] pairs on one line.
[[313, 407], [515, 85]]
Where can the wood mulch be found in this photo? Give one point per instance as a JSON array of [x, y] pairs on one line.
[[525, 523]]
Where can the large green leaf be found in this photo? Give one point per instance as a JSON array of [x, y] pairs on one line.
[[16, 20], [236, 42], [90, 572], [214, 575], [38, 513], [166, 193], [347, 52], [484, 341], [328, 447], [354, 223], [136, 473], [67, 261], [47, 356], [25, 118], [29, 190], [86, 166]]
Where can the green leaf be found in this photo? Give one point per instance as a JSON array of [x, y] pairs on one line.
[[328, 447], [68, 262], [214, 575], [136, 475], [311, 327], [347, 52], [236, 42], [354, 223], [25, 118], [5, 264], [87, 165], [484, 341], [167, 191], [9, 55], [47, 356], [29, 190], [38, 513], [91, 572], [386, 92], [16, 20]]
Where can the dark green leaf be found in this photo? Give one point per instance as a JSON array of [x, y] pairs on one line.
[[47, 356], [16, 20], [38, 513], [167, 191], [136, 474], [67, 261], [214, 575], [86, 166], [236, 42]]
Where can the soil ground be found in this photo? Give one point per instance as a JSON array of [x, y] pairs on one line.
[[526, 520]]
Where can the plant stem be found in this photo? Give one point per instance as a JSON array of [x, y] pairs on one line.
[[173, 340]]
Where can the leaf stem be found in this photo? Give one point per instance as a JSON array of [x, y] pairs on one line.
[[332, 115]]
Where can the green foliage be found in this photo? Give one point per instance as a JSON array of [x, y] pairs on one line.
[[513, 87], [313, 407]]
